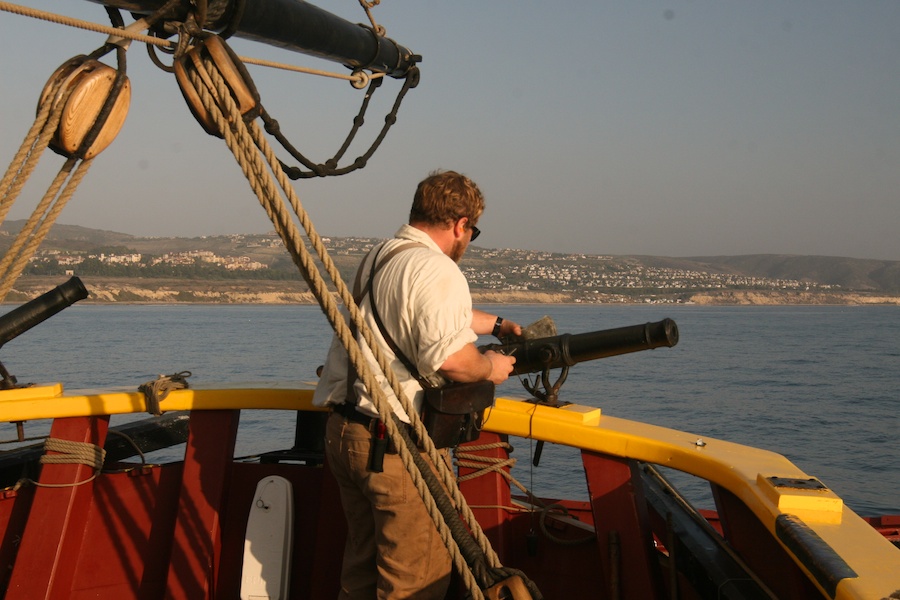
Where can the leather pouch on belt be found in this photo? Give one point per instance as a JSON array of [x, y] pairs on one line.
[[453, 414]]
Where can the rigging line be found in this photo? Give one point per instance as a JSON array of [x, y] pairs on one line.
[[361, 365], [23, 164], [34, 13], [357, 77], [114, 32], [302, 259], [39, 224]]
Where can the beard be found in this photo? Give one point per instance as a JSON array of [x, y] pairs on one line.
[[457, 251]]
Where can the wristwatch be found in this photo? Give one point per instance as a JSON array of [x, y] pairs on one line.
[[497, 324]]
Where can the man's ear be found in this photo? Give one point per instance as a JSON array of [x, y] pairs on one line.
[[459, 227]]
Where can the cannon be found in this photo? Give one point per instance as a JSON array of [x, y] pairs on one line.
[[38, 310], [539, 354], [34, 312], [553, 352]]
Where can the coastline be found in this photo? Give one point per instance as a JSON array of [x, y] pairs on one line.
[[177, 291]]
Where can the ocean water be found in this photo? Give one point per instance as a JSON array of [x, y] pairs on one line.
[[820, 385]]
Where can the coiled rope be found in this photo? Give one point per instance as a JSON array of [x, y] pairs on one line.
[[68, 452], [262, 169], [73, 453]]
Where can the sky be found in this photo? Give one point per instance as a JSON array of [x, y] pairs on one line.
[[673, 128]]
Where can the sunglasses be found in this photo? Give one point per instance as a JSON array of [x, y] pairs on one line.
[[475, 233]]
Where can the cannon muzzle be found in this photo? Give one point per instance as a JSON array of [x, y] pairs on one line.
[[535, 355], [38, 310]]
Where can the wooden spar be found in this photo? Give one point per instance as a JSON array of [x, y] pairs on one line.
[[294, 25]]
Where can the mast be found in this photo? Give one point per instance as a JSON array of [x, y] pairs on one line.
[[294, 25]]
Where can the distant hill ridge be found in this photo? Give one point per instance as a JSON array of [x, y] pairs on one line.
[[858, 274], [851, 274]]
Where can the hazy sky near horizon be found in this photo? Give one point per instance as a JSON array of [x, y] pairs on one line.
[[676, 128]]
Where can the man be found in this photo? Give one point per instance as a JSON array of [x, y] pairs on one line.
[[393, 549]]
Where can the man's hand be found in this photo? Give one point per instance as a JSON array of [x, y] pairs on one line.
[[508, 328], [468, 364], [501, 366]]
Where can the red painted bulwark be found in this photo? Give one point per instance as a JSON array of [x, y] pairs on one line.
[[14, 507], [52, 541], [492, 489], [620, 513], [762, 553], [521, 538], [196, 545]]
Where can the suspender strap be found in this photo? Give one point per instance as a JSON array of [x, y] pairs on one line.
[[359, 295], [384, 333]]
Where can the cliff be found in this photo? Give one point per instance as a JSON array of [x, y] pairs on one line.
[[172, 291]]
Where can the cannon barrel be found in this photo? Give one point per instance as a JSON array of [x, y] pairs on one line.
[[293, 25], [38, 310], [557, 351]]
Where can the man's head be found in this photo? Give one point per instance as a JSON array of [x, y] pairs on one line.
[[450, 203]]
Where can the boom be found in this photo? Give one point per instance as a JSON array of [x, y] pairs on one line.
[[294, 25]]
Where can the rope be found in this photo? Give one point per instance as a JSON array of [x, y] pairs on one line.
[[55, 199], [355, 78], [34, 232], [73, 453], [66, 181], [25, 160], [156, 390], [132, 443], [368, 6], [244, 149], [69, 453], [247, 143], [487, 464], [34, 13]]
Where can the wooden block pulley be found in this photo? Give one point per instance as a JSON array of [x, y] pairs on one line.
[[90, 82], [225, 62]]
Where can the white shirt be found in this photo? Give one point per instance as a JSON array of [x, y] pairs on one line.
[[424, 302]]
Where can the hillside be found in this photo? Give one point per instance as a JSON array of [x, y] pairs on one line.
[[256, 268], [867, 275]]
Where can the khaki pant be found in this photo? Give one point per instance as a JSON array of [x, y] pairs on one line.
[[393, 549]]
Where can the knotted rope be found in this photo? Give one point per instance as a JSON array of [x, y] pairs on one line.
[[156, 390], [249, 147]]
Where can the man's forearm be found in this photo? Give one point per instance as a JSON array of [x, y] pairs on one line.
[[482, 322], [467, 364]]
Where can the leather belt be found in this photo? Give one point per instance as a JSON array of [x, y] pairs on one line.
[[349, 412]]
